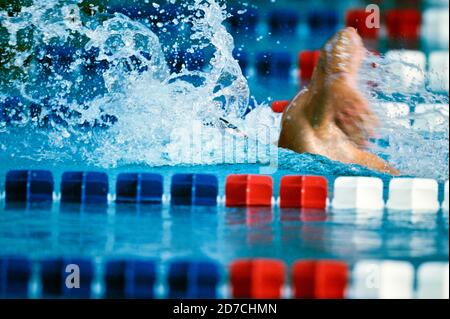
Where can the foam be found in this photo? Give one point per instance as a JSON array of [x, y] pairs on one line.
[[438, 80], [156, 111], [410, 66], [397, 113], [406, 148], [431, 117]]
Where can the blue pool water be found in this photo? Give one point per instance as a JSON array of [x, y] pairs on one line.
[[220, 233], [119, 110]]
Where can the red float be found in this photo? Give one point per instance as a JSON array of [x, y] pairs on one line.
[[326, 279], [358, 19], [248, 190], [404, 24], [331, 280], [307, 192], [303, 279], [257, 279], [307, 62]]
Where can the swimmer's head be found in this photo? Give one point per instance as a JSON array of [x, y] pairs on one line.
[[343, 54]]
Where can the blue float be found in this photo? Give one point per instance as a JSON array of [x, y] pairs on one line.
[[132, 279], [274, 64], [58, 278], [283, 22], [15, 274], [193, 279], [29, 186], [84, 188], [323, 20], [139, 188], [194, 189]]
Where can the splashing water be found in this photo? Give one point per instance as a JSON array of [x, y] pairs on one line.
[[151, 108], [101, 88], [416, 143]]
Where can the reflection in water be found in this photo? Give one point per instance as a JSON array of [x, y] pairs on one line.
[[260, 230], [92, 209], [138, 210], [27, 206], [222, 234], [251, 216], [136, 228], [303, 215], [257, 222]]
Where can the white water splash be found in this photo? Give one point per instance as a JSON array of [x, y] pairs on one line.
[[416, 143], [156, 111]]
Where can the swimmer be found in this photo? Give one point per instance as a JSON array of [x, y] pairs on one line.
[[330, 117]]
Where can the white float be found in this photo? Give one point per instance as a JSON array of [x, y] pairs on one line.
[[366, 280], [432, 280], [413, 194], [360, 193], [396, 280], [435, 28], [382, 280]]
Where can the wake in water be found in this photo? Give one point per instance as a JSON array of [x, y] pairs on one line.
[[81, 85]]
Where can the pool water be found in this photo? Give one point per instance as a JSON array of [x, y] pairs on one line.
[[223, 234]]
